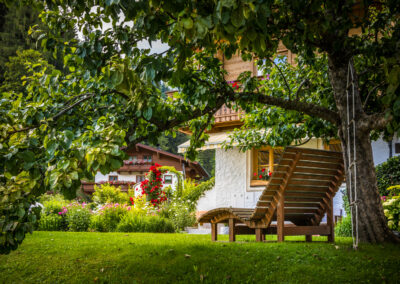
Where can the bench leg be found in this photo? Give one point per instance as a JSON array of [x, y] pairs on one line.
[[214, 232], [330, 221], [259, 235], [280, 218], [232, 235]]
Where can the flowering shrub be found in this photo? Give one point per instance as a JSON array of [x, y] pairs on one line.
[[391, 208], [180, 212], [78, 217], [106, 219], [132, 222], [263, 174], [52, 204], [107, 193], [152, 186]]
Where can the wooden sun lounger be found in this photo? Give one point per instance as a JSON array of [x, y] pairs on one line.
[[300, 190]]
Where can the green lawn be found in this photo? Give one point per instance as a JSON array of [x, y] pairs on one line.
[[60, 257]]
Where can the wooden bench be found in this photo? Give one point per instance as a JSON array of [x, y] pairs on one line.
[[300, 190]]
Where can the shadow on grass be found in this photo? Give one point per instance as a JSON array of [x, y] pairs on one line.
[[181, 258]]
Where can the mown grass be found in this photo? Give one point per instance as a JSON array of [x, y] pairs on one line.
[[63, 257]]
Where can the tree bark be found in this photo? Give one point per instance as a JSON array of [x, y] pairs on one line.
[[372, 224]]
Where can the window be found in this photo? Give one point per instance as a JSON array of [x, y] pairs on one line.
[[263, 162], [112, 178], [168, 179], [147, 158], [133, 158], [397, 148], [140, 178]]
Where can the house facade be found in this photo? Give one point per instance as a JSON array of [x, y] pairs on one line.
[[140, 159], [237, 174]]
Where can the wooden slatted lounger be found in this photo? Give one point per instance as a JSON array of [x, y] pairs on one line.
[[304, 182]]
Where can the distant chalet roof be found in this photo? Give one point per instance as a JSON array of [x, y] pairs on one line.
[[195, 165]]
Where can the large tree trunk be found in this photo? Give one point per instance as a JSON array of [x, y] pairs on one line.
[[372, 224]]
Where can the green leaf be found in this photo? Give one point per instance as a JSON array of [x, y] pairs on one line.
[[27, 156], [187, 23], [148, 113], [237, 18]]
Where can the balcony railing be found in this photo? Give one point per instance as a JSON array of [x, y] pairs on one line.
[[226, 114], [88, 187]]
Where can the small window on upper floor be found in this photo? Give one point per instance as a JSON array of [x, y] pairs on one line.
[[112, 178], [168, 179], [264, 160], [147, 158], [133, 158]]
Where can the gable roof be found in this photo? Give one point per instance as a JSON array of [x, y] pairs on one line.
[[193, 164]]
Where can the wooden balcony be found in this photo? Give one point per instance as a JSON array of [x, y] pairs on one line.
[[88, 187], [135, 166], [227, 115]]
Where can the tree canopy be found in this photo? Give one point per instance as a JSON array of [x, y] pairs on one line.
[[72, 124]]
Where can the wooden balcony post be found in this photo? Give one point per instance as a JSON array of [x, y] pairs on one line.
[[308, 238], [281, 218], [330, 221], [214, 232], [232, 235]]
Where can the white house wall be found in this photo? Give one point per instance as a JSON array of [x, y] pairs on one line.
[[380, 150]]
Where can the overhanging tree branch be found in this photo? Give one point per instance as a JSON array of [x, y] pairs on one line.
[[307, 108]]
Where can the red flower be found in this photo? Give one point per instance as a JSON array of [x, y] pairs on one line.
[[263, 170], [255, 174], [260, 176], [270, 174], [235, 85]]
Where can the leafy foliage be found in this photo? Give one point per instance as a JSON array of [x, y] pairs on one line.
[[343, 227], [106, 193], [388, 174], [78, 218], [51, 222], [391, 208], [151, 224], [71, 125], [108, 217], [193, 192]]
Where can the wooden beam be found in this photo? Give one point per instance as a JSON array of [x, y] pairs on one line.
[[214, 232], [232, 235], [307, 230]]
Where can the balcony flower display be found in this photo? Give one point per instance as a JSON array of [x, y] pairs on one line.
[[137, 162], [263, 174]]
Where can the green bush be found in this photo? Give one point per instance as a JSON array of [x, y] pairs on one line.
[[151, 224], [108, 217], [180, 213], [52, 222], [78, 217], [391, 208], [388, 174], [106, 193], [343, 227]]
